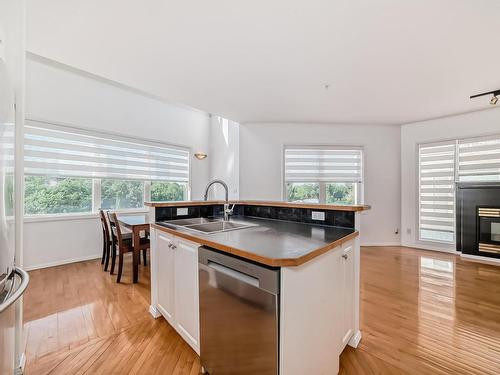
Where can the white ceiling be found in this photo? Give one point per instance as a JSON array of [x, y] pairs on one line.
[[386, 61]]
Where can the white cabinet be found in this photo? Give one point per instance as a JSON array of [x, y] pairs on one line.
[[186, 290], [166, 283], [177, 285], [317, 311], [348, 294]]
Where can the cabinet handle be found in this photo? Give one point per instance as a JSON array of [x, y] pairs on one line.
[[174, 247], [345, 256]]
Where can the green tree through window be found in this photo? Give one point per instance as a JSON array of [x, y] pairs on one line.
[[9, 195], [303, 192], [122, 194], [341, 193], [53, 195], [336, 192], [168, 191]]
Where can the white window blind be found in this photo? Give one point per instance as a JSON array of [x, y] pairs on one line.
[[7, 143], [437, 191], [64, 151], [479, 159], [327, 164]]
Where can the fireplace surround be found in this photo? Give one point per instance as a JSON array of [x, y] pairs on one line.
[[478, 219]]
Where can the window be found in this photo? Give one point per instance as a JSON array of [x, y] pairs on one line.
[[8, 195], [440, 166], [302, 192], [53, 195], [7, 143], [437, 192], [70, 170], [479, 159], [323, 174], [168, 191], [121, 194], [341, 193]]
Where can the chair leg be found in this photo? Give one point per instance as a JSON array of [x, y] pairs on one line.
[[136, 258], [104, 243], [120, 267], [144, 256], [108, 253], [113, 259]]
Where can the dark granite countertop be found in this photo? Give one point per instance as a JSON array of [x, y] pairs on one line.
[[272, 242]]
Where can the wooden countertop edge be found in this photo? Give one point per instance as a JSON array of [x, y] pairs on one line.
[[273, 262], [330, 207]]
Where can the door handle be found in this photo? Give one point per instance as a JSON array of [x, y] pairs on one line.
[[345, 256]]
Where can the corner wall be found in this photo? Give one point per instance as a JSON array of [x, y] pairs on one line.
[[261, 147], [461, 126], [224, 156]]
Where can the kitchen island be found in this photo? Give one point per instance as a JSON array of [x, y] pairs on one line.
[[313, 248]]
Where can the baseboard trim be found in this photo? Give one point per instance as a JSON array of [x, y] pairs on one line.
[[375, 244], [431, 248], [154, 311], [62, 262], [481, 259], [355, 339]]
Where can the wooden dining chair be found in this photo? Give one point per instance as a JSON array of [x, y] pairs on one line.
[[106, 240], [123, 245]]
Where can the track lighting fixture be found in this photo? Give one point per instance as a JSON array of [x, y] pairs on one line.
[[494, 99]]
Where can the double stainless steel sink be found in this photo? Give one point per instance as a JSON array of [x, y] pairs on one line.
[[208, 225]]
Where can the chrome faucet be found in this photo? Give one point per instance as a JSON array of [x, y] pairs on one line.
[[227, 211]]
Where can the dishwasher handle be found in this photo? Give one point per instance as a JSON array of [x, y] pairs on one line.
[[254, 274], [233, 273]]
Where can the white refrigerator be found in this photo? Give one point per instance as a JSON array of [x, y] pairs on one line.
[[13, 280]]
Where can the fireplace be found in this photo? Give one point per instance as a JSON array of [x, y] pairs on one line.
[[488, 234], [478, 219]]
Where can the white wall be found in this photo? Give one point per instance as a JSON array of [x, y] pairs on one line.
[[261, 167], [468, 125], [224, 156], [64, 95]]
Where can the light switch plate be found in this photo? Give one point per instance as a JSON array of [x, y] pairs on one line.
[[182, 211], [316, 215]]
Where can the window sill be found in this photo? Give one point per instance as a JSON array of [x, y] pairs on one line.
[[78, 216], [59, 217]]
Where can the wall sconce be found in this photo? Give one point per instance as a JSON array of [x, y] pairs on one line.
[[200, 155], [494, 99]]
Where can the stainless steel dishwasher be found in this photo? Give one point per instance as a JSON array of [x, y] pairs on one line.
[[239, 315]]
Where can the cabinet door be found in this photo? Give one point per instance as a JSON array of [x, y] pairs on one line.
[[186, 291], [348, 300], [166, 281]]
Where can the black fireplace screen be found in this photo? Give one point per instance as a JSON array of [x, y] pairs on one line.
[[488, 221]]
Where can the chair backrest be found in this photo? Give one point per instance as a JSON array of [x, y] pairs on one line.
[[104, 224], [112, 229], [115, 227]]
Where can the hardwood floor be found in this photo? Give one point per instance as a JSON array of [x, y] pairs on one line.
[[425, 312], [421, 313], [78, 320]]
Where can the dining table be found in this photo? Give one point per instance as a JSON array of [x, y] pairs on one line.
[[136, 223]]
